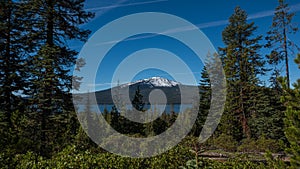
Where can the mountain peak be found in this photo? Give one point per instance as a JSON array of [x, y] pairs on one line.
[[160, 82], [154, 82]]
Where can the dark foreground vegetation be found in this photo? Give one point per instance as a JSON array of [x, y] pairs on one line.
[[185, 155], [39, 127]]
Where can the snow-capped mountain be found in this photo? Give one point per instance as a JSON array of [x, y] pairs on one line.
[[171, 89], [153, 82]]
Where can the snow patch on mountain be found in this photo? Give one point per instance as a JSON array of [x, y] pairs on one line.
[[154, 82]]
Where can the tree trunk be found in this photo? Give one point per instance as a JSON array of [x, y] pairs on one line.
[[286, 56]]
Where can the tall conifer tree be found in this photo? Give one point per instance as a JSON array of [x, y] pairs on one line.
[[53, 23], [278, 41], [242, 65], [12, 57], [13, 78]]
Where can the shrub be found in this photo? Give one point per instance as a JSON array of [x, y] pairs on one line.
[[264, 144], [226, 142], [248, 145]]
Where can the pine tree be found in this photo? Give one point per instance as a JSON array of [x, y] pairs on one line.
[[204, 105], [13, 52], [115, 118], [137, 101], [215, 96], [10, 58], [242, 65], [138, 105], [292, 118], [205, 92], [52, 24], [274, 92], [106, 115], [92, 122], [278, 41], [267, 113]]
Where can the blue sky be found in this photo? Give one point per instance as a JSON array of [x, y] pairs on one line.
[[209, 16]]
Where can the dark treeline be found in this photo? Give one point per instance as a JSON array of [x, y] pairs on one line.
[[38, 121], [36, 108]]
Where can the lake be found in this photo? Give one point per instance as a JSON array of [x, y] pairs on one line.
[[167, 108]]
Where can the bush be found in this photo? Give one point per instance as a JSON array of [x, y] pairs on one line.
[[72, 157], [226, 142], [264, 144], [180, 155], [248, 145]]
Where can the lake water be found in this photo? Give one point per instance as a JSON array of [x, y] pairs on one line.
[[160, 108]]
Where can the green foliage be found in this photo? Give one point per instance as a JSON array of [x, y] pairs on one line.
[[261, 145], [71, 157], [297, 60], [50, 24], [236, 164], [197, 162], [137, 101], [13, 66], [277, 38], [35, 62], [226, 142], [274, 163], [204, 102], [264, 144], [242, 64], [292, 123], [267, 113], [13, 76], [115, 118], [42, 131], [3, 132], [291, 99], [248, 145], [178, 157]]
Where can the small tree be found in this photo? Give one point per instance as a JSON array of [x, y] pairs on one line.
[[115, 118], [137, 101], [204, 105]]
